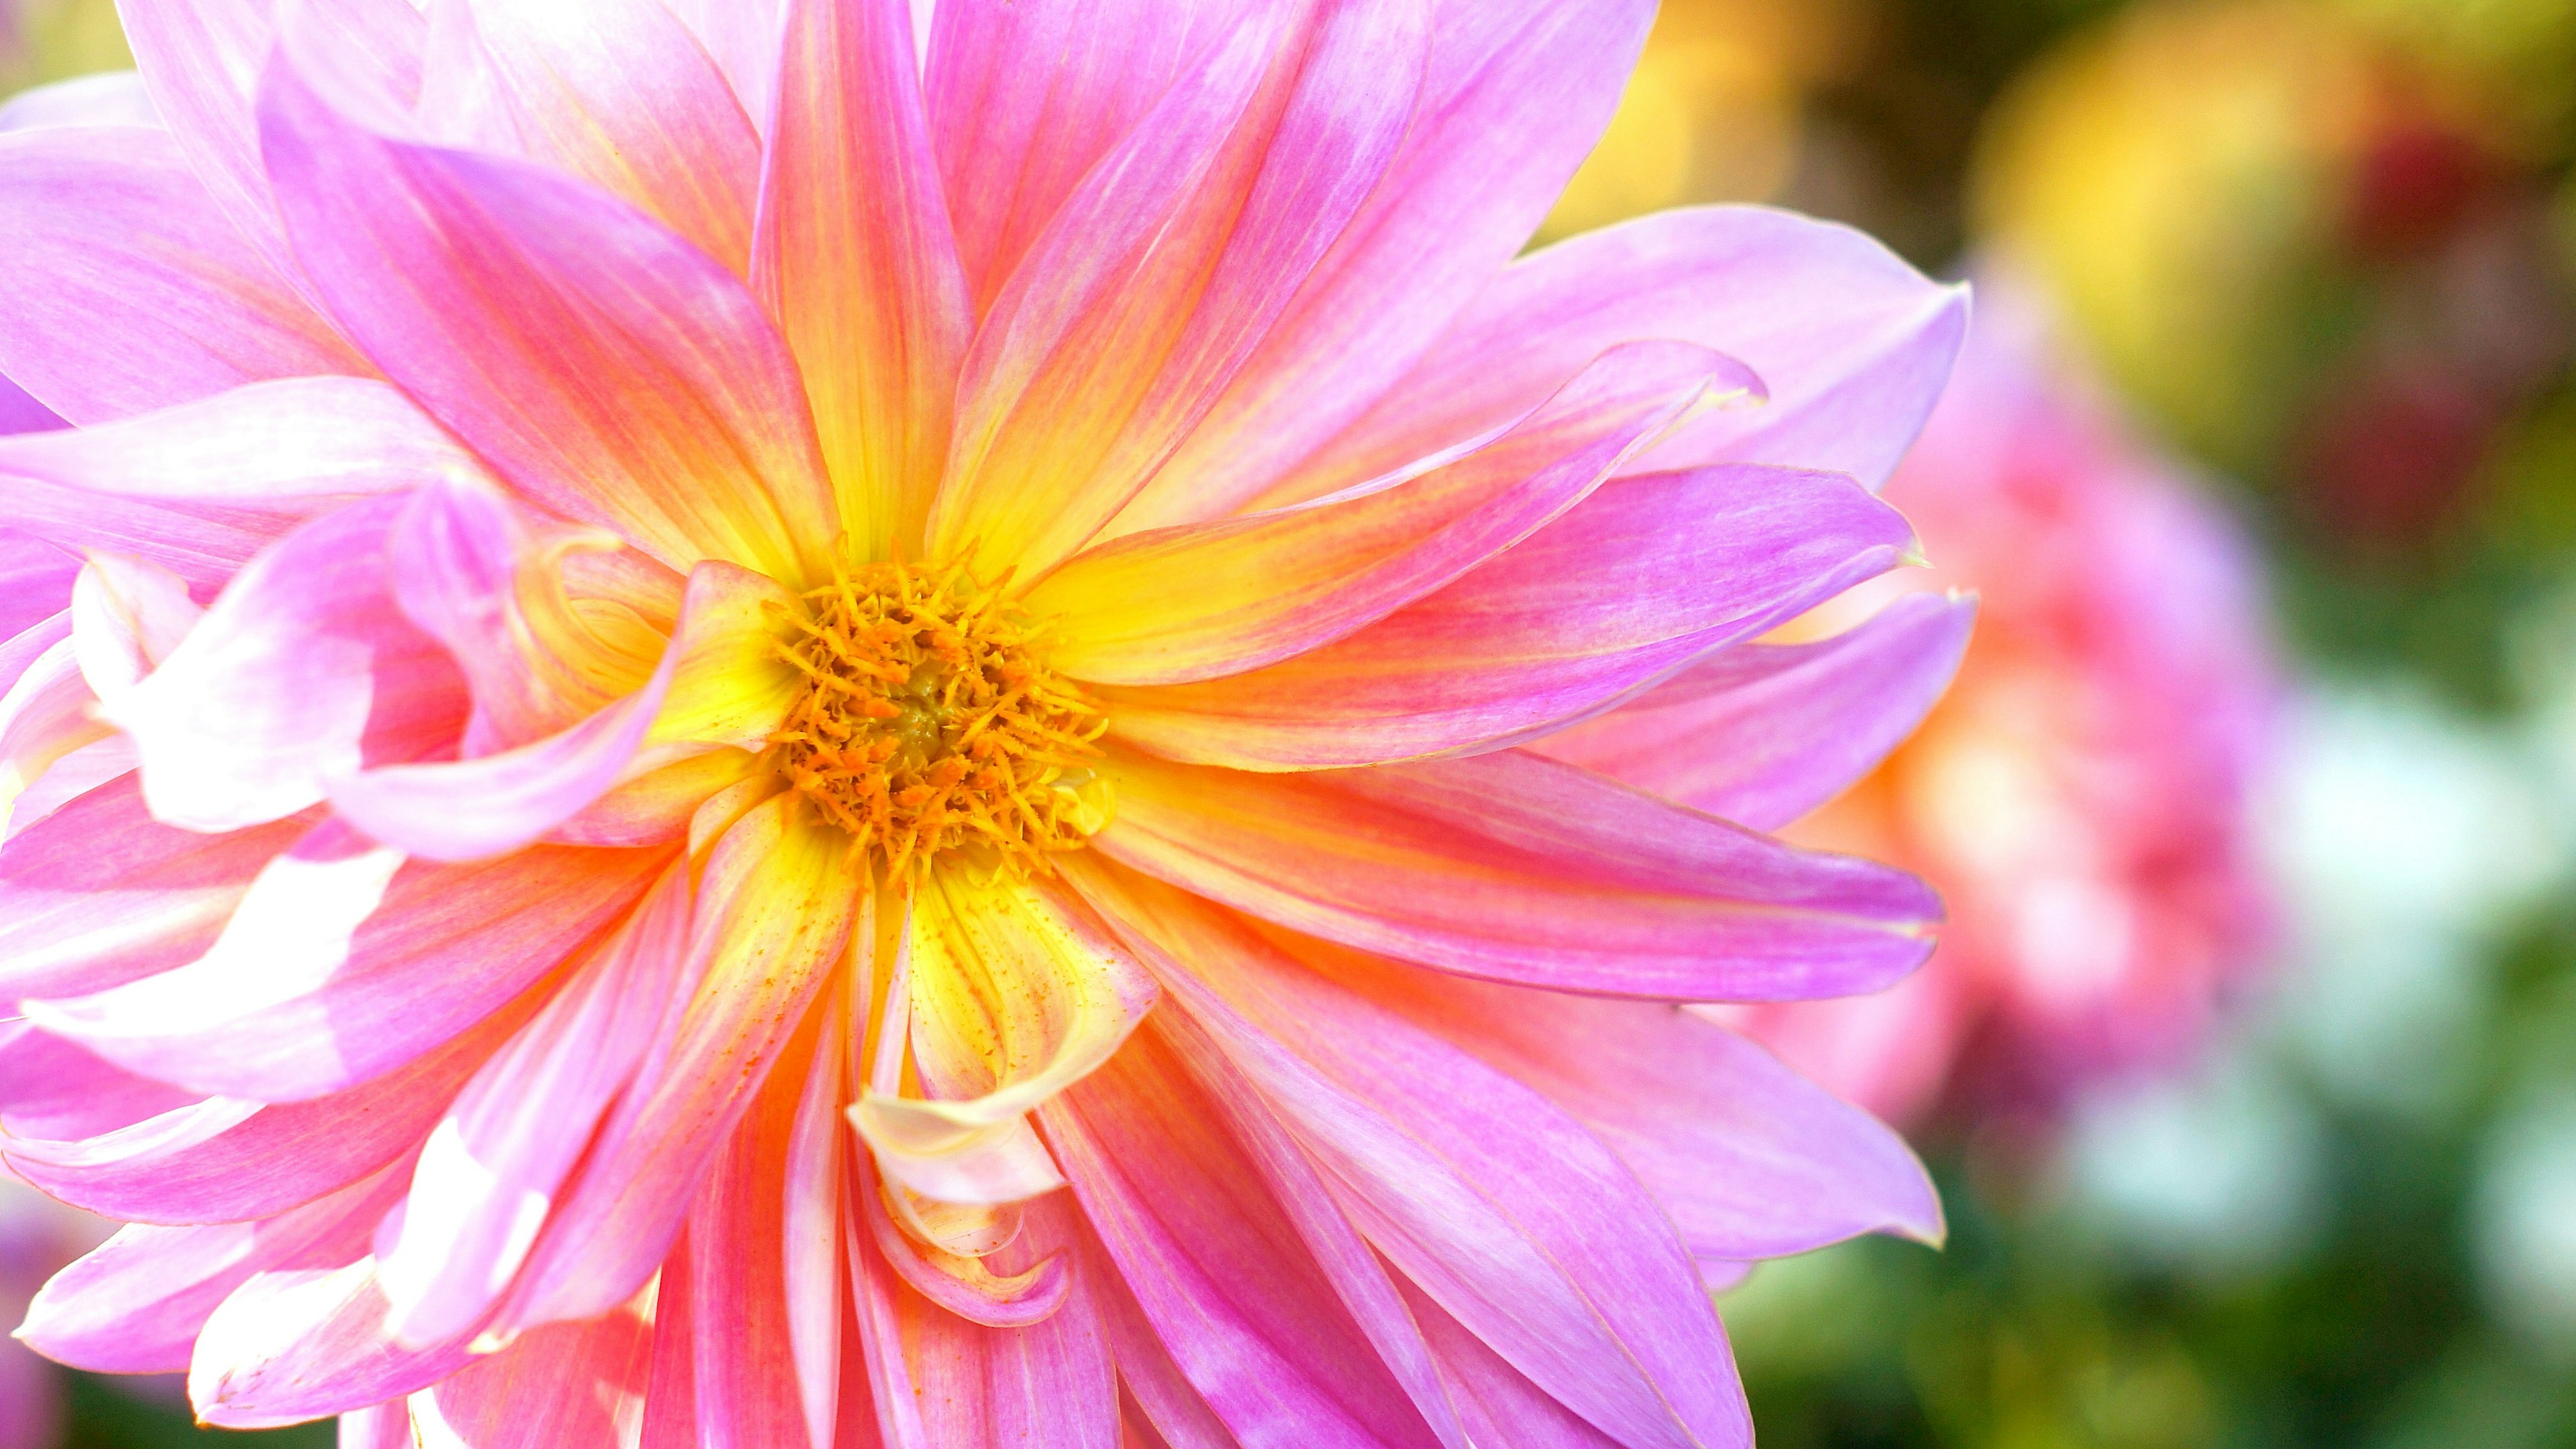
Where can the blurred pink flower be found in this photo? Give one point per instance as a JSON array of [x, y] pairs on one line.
[[2081, 797], [709, 619]]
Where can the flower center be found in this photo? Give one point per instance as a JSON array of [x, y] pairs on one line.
[[931, 725]]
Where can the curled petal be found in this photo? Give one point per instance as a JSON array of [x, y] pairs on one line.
[[127, 617], [297, 1344], [1203, 600], [1514, 868], [967, 1287], [1016, 993], [45, 716], [1764, 733], [304, 670], [1639, 578]]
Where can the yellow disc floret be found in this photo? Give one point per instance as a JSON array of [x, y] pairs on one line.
[[932, 725]]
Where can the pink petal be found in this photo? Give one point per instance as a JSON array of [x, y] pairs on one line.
[[35, 584], [1202, 600], [1751, 1160], [150, 298], [99, 893], [21, 413], [1764, 733], [813, 1223], [1165, 268], [43, 717], [127, 617], [224, 1161], [51, 1089], [1513, 868], [1500, 1207], [109, 98], [1158, 1407], [1516, 93], [1026, 97], [201, 61], [605, 367], [774, 909], [748, 1392], [855, 261], [1184, 1211], [137, 1304], [743, 37], [565, 1386], [622, 95], [941, 1382], [498, 1159], [384, 1426], [292, 1345], [1855, 344], [343, 963], [1638, 579], [1498, 1403]]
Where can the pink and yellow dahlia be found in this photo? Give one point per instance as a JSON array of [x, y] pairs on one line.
[[827, 711], [2084, 795]]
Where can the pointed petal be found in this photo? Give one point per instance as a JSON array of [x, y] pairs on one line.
[[622, 95], [1016, 993], [1202, 600], [1166, 267], [302, 671], [136, 1304], [774, 911], [855, 260], [606, 368], [1642, 576], [51, 1089], [1855, 344], [1513, 868], [343, 963], [497, 1161], [1516, 94], [1752, 1160], [149, 297], [292, 1345], [1764, 733]]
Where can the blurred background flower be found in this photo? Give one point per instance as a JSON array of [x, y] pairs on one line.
[[2250, 1067]]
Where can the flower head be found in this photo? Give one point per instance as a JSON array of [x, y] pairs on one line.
[[755, 642]]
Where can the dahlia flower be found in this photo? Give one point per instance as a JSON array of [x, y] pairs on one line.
[[2082, 796], [827, 718]]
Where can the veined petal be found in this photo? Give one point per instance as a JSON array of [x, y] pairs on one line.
[[942, 1382], [99, 893], [1025, 96], [1016, 994], [1855, 344], [774, 911], [304, 670], [605, 367], [743, 38], [622, 95], [201, 60], [496, 1162], [855, 260], [51, 1089], [150, 297], [1515, 95], [565, 1386], [136, 1304], [1641, 577], [1500, 1207], [292, 1345], [1202, 600], [1165, 268], [744, 1378], [1764, 733], [343, 963], [1514, 868], [1750, 1159], [1187, 1215], [109, 98], [1497, 1402]]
